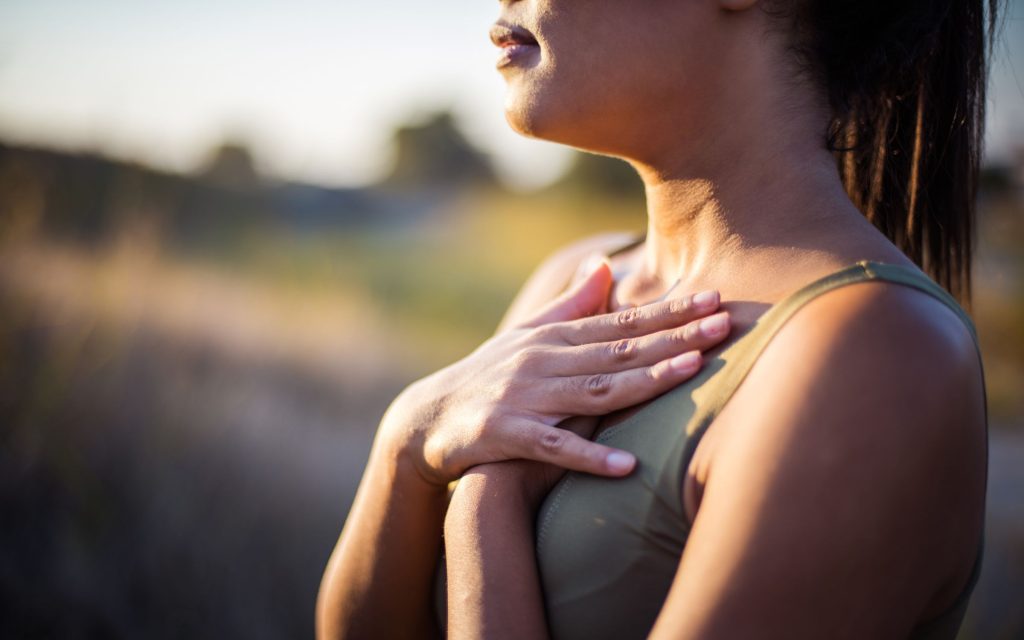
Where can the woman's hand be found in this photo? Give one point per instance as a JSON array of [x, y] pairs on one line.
[[502, 402], [505, 400]]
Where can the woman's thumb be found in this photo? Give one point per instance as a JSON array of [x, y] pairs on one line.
[[588, 296]]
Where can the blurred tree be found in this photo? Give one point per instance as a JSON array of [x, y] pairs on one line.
[[603, 175], [436, 154], [231, 164]]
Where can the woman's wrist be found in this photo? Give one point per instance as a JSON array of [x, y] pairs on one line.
[[492, 585], [403, 429], [497, 488], [397, 456], [390, 468]]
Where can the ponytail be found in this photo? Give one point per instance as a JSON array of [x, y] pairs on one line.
[[906, 82]]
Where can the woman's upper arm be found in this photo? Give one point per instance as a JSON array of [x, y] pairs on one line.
[[847, 497], [551, 277]]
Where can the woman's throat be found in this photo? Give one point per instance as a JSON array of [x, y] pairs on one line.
[[628, 291]]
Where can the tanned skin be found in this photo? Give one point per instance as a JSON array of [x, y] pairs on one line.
[[840, 493]]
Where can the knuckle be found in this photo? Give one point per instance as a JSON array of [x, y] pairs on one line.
[[623, 350], [689, 332], [680, 306], [529, 358], [657, 372], [546, 333], [552, 440], [676, 337], [570, 333], [486, 423], [599, 384], [628, 319]]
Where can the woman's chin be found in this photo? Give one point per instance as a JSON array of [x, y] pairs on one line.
[[523, 121], [547, 125], [533, 117]]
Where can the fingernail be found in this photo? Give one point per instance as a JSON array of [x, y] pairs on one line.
[[620, 461], [714, 326], [685, 362], [705, 300]]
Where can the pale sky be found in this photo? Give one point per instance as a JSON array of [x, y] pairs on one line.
[[315, 87]]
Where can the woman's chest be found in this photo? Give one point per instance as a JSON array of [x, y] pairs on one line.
[[608, 549]]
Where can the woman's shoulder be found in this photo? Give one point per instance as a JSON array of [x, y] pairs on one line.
[[877, 349], [894, 330], [558, 269], [889, 316], [870, 400]]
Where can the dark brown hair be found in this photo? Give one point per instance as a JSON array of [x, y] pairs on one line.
[[906, 82]]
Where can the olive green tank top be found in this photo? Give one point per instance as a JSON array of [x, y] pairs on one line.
[[608, 549]]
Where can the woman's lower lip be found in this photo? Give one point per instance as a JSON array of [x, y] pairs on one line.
[[516, 53]]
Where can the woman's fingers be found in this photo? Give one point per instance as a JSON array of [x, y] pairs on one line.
[[563, 448], [637, 321], [630, 353], [585, 298], [586, 396], [601, 393]]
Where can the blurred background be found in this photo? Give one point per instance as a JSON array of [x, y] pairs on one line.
[[231, 233]]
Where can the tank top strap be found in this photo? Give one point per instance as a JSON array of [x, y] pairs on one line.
[[741, 356], [914, 278]]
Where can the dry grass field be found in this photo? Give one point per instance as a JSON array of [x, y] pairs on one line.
[[183, 431]]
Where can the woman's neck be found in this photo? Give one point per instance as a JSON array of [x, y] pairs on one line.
[[717, 218], [749, 186]]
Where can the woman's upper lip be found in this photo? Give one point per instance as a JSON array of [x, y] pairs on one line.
[[504, 34]]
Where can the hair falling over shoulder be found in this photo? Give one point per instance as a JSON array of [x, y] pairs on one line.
[[906, 82]]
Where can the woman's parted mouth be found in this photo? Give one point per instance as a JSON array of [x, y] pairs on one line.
[[516, 43], [507, 35]]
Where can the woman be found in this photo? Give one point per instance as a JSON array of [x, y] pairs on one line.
[[823, 474]]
